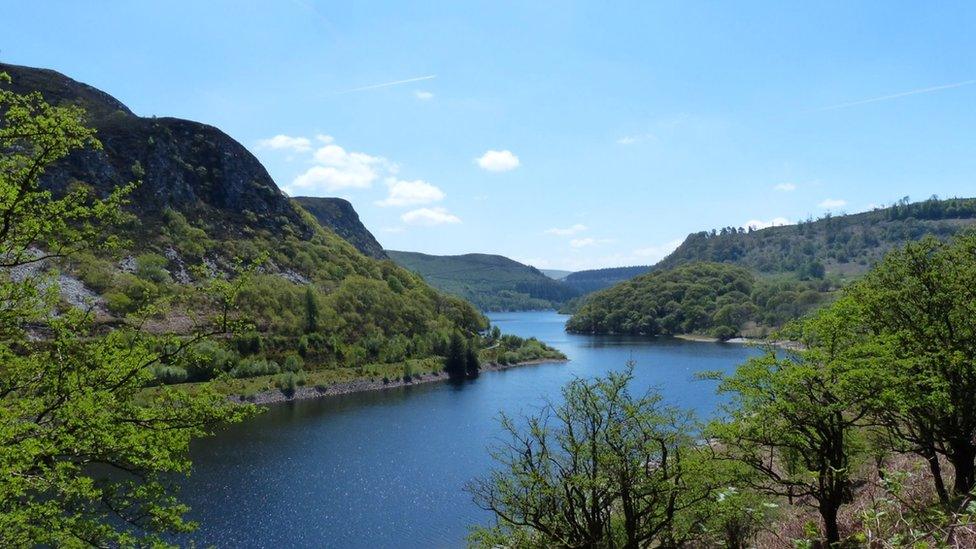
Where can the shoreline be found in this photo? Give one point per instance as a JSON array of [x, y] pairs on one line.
[[276, 396], [757, 342]]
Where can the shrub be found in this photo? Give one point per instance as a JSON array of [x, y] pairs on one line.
[[169, 374], [293, 363], [251, 367]]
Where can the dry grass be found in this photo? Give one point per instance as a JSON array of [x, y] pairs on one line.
[[895, 506]]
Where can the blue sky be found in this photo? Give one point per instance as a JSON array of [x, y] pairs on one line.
[[568, 135]]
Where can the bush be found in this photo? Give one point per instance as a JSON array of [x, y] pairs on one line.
[[288, 382], [169, 374], [293, 363], [152, 267], [251, 367], [207, 359]]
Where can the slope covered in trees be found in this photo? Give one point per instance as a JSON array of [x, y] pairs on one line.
[[202, 205], [594, 280], [491, 282], [845, 244], [712, 299]]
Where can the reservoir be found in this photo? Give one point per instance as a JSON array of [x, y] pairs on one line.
[[388, 468]]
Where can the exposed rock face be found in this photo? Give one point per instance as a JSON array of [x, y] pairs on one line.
[[338, 214], [188, 166]]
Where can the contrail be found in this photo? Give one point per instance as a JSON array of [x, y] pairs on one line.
[[897, 95], [394, 83]]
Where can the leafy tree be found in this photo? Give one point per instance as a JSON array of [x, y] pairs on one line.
[[86, 458], [455, 364], [796, 417], [472, 364], [602, 469], [920, 303]]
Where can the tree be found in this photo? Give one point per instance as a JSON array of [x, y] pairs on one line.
[[472, 364], [796, 417], [311, 311], [455, 364], [86, 457], [919, 303], [602, 469]]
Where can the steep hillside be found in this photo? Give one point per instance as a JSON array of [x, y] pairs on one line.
[[846, 245], [597, 279], [202, 200], [491, 282], [339, 216]]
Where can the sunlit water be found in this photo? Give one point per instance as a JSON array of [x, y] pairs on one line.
[[387, 468]]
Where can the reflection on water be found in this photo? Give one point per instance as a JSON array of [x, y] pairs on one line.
[[387, 468]]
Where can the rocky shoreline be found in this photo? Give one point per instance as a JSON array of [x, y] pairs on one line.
[[362, 385]]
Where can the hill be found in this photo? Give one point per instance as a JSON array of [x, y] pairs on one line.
[[202, 200], [491, 282], [594, 280], [845, 245], [340, 217], [713, 299]]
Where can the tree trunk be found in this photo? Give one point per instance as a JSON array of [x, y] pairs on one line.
[[964, 463], [936, 468], [831, 531]]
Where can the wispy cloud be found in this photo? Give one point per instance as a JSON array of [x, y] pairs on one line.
[[785, 187], [831, 203], [559, 231], [423, 95], [388, 84], [897, 95]]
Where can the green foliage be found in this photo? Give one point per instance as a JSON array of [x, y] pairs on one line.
[[846, 244], [84, 459], [698, 298], [918, 308], [601, 469], [490, 282]]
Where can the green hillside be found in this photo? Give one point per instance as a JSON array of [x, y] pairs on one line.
[[202, 204], [846, 244], [777, 274], [490, 282], [593, 280]]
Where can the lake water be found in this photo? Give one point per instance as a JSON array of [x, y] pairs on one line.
[[387, 468]]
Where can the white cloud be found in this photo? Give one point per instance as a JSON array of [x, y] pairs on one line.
[[631, 139], [410, 193], [498, 161], [757, 224], [584, 242], [653, 254], [785, 187], [833, 203], [577, 228], [423, 95], [429, 217], [278, 142], [337, 169]]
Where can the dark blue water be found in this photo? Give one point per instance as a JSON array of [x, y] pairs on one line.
[[387, 468]]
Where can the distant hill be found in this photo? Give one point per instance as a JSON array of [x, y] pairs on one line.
[[845, 245], [593, 280], [556, 274], [491, 282], [339, 216]]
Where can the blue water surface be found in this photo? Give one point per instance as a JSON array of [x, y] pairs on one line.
[[387, 468]]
